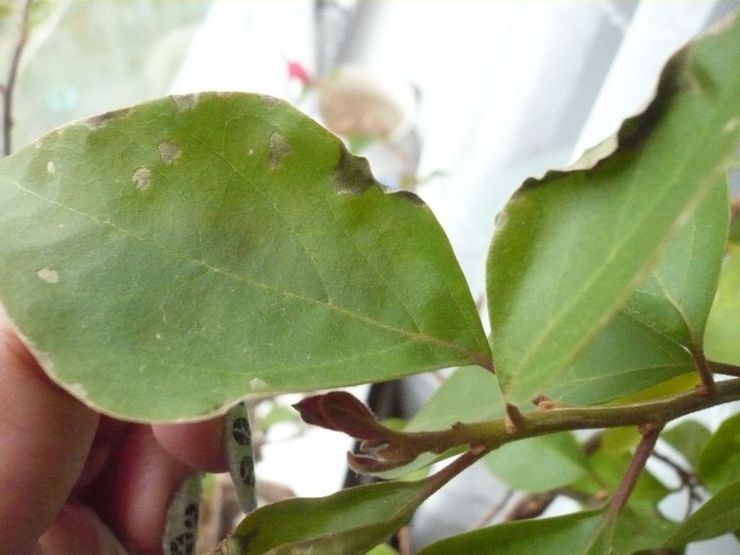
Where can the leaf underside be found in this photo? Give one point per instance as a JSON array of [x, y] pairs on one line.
[[600, 280], [165, 260]]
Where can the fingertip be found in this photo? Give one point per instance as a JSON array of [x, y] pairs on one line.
[[46, 435], [200, 445], [147, 478]]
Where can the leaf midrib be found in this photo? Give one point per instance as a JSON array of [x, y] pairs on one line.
[[690, 204], [414, 336]]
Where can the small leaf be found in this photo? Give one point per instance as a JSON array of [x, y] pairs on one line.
[[350, 521], [688, 438], [168, 259], [719, 462], [540, 463], [720, 515], [722, 338], [573, 247]]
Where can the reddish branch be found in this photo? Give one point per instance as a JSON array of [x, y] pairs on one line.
[[9, 87]]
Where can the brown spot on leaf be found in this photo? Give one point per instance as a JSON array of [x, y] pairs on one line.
[[169, 152]]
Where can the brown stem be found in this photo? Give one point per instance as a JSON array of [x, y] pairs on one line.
[[705, 375], [494, 433], [495, 510], [436, 481], [9, 86], [724, 368], [625, 487]]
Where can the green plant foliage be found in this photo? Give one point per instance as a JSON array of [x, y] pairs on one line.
[[482, 401], [571, 249], [468, 395], [351, 521], [164, 260], [719, 462], [540, 463], [722, 338], [688, 438], [383, 549], [720, 515], [577, 534]]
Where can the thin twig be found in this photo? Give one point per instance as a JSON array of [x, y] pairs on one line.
[[495, 510], [723, 368], [702, 366], [689, 480], [9, 86], [624, 489]]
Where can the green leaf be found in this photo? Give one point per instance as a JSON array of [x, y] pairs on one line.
[[719, 463], [576, 534], [167, 259], [572, 248], [607, 470], [722, 339], [468, 395], [382, 549], [720, 515], [350, 521], [688, 438], [550, 535], [539, 463]]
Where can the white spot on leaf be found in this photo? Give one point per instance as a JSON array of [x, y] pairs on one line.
[[37, 144], [185, 101], [142, 178], [169, 152], [269, 101], [51, 167], [48, 275], [730, 126], [256, 384], [278, 148]]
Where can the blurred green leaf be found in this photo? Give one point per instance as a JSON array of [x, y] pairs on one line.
[[607, 469], [165, 260], [539, 463], [720, 515], [575, 534], [619, 440], [278, 414], [719, 462], [354, 520], [722, 338], [688, 438], [382, 549], [564, 261]]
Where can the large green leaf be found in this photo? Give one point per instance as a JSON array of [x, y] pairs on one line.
[[571, 248], [720, 515], [165, 260], [539, 463], [722, 337], [719, 462], [351, 521], [581, 533]]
